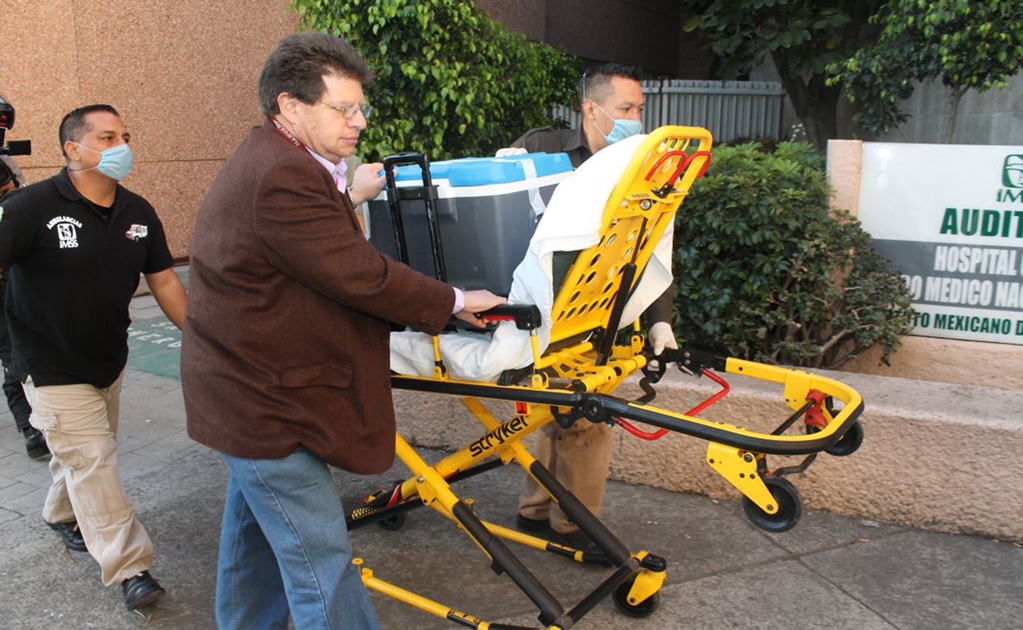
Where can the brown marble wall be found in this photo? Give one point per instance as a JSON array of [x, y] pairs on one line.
[[182, 73]]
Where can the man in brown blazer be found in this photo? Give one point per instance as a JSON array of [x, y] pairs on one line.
[[285, 357]]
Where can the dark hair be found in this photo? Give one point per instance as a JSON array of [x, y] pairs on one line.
[[299, 63], [73, 124], [596, 82]]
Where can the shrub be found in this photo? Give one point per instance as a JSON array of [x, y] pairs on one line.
[[766, 271], [450, 81]]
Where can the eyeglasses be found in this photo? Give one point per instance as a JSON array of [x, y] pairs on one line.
[[349, 111]]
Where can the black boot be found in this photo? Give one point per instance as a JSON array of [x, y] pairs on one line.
[[35, 444]]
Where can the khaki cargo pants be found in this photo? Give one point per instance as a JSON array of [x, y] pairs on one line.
[[80, 425], [579, 458]]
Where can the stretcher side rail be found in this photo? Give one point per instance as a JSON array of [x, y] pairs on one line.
[[600, 407]]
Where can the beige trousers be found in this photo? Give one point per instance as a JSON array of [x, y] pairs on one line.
[[80, 424], [579, 458]]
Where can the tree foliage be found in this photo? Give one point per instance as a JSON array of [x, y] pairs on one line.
[[450, 81], [765, 270], [967, 44], [802, 37]]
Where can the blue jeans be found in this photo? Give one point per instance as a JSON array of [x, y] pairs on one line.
[[284, 548]]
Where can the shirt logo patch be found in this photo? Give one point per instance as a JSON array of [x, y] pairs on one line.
[[67, 230], [136, 232]]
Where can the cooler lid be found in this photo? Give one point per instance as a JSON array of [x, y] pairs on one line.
[[490, 170]]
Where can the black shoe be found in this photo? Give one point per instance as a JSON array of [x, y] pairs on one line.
[[532, 525], [35, 444], [141, 591], [71, 534], [576, 540]]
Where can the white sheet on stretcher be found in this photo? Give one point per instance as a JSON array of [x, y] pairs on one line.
[[571, 223]]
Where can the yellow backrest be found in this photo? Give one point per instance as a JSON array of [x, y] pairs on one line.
[[641, 206]]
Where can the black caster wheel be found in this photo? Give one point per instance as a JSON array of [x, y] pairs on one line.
[[848, 444], [642, 609], [790, 507], [392, 523]]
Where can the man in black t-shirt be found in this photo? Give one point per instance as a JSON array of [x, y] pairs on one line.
[[74, 246]]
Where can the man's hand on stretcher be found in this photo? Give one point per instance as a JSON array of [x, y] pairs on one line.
[[477, 302]]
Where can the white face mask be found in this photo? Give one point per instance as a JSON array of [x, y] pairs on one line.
[[114, 162], [623, 127]]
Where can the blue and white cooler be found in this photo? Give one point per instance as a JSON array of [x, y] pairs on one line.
[[487, 210]]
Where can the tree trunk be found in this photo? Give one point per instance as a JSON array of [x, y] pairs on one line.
[[957, 95], [815, 103]]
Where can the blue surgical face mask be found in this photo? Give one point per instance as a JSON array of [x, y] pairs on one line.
[[623, 128], [114, 162]]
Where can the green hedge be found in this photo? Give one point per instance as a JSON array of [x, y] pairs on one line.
[[766, 271]]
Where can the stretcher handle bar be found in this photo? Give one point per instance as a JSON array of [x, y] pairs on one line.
[[689, 360], [429, 199], [684, 161], [525, 316], [656, 435], [611, 406]]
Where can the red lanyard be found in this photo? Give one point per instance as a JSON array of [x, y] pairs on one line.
[[287, 134], [298, 143]]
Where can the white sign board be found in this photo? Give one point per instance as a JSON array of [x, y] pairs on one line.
[[950, 218]]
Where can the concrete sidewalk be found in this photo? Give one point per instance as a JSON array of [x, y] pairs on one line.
[[829, 572]]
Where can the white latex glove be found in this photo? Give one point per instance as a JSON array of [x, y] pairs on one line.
[[661, 337], [509, 151]]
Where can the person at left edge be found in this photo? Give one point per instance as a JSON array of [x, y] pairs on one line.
[[74, 246], [35, 444], [285, 354]]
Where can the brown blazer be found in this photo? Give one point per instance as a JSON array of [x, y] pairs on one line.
[[286, 335]]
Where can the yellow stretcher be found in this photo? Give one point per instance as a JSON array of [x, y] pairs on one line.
[[573, 380]]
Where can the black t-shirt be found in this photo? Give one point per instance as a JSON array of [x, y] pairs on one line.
[[71, 275]]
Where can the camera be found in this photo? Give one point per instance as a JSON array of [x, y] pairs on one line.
[[15, 147]]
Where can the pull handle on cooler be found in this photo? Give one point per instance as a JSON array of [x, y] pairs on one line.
[[428, 193]]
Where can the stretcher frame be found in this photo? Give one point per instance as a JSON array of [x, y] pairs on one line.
[[573, 380]]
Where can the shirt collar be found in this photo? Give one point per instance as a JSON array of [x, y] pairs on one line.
[[337, 171], [577, 148], [576, 140], [65, 187]]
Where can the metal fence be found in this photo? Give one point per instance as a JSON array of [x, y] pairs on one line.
[[729, 109]]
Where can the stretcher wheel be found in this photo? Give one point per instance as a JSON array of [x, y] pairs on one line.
[[392, 523], [790, 507], [848, 444], [850, 441], [620, 597]]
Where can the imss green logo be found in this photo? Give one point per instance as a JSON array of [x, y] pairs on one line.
[[1012, 172]]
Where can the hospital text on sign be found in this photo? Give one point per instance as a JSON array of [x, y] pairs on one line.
[[950, 218]]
